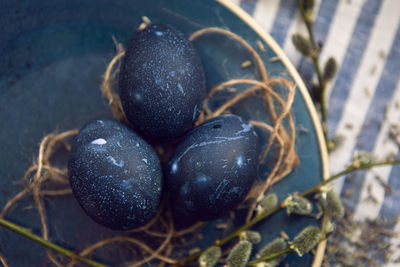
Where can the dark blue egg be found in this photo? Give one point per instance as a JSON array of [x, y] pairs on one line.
[[212, 169], [161, 83], [115, 175]]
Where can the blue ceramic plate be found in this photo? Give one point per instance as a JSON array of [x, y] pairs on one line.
[[53, 56]]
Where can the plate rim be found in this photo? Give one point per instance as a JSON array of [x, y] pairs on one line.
[[267, 38]]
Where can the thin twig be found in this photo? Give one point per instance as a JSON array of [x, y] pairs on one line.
[[271, 256], [348, 170], [28, 234], [314, 55]]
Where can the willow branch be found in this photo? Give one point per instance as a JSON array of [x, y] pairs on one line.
[[28, 234], [322, 83], [263, 216]]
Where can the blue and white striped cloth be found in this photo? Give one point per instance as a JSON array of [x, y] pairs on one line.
[[364, 97]]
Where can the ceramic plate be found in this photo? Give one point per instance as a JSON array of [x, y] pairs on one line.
[[53, 56]]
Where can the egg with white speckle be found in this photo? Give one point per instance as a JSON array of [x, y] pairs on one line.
[[115, 175], [212, 169], [161, 83]]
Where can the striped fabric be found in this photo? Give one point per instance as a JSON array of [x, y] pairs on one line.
[[364, 97]]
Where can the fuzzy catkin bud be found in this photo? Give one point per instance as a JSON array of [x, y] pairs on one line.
[[210, 257], [298, 205], [308, 4], [268, 203], [302, 44], [332, 205], [330, 69], [329, 227], [253, 237], [362, 158], [306, 240], [276, 245], [240, 254]]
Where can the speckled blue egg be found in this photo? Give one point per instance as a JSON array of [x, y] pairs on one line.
[[161, 83], [115, 175], [212, 169]]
